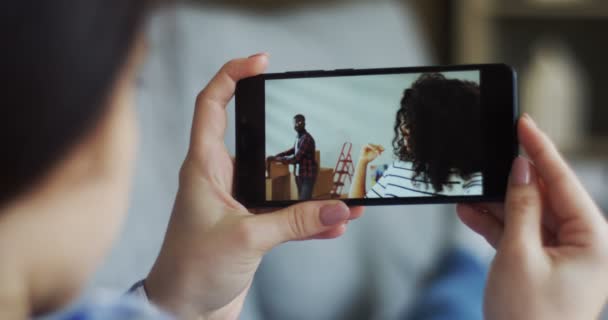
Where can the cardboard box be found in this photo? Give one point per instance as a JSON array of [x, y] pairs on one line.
[[322, 188], [278, 188], [277, 169], [325, 181]]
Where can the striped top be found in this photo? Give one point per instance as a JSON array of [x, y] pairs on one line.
[[397, 182]]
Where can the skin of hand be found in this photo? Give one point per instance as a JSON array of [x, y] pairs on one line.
[[213, 244], [369, 153], [551, 239]]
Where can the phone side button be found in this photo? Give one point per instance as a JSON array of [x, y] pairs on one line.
[[344, 70]]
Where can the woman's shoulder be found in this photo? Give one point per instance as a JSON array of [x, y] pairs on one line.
[[400, 165], [469, 185]]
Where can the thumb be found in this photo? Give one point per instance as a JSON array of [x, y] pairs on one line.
[[297, 222], [523, 206]]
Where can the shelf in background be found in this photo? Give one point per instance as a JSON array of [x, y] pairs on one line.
[[531, 10]]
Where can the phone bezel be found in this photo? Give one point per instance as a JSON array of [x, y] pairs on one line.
[[498, 87]]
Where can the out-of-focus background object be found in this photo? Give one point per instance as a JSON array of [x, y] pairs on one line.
[[559, 50], [555, 79], [376, 270]]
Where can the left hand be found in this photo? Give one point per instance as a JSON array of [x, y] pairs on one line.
[[213, 244]]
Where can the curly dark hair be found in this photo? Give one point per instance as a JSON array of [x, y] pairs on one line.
[[442, 122]]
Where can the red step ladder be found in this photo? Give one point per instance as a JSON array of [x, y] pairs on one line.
[[344, 170]]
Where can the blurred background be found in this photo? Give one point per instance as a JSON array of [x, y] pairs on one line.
[[382, 265]]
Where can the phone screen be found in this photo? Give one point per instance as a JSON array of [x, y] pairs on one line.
[[375, 137]]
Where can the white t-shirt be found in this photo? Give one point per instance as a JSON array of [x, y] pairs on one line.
[[397, 181]]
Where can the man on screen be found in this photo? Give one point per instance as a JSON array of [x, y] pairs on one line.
[[302, 155]]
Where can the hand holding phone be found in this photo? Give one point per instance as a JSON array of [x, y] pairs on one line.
[[551, 239], [213, 244]]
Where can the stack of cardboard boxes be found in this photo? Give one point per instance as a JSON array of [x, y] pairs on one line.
[[277, 182], [281, 183]]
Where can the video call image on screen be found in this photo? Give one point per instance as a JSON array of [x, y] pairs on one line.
[[378, 136]]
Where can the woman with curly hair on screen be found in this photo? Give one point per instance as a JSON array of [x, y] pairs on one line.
[[437, 143]]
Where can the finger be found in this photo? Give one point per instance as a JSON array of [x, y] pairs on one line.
[[549, 219], [523, 207], [331, 233], [261, 210], [301, 221], [483, 223], [567, 196], [209, 115], [377, 147], [356, 212], [497, 209]]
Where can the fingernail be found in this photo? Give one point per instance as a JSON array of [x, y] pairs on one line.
[[520, 173], [258, 55], [334, 214], [480, 209], [529, 119]]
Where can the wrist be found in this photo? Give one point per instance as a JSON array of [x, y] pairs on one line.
[[166, 288], [362, 164], [183, 306]]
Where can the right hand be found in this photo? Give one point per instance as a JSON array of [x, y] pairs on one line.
[[370, 152], [551, 239]]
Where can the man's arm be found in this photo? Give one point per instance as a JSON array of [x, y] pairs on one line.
[[289, 152]]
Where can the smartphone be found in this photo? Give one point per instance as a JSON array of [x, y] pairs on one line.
[[389, 136]]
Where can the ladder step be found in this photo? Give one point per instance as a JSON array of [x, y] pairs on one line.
[[344, 170]]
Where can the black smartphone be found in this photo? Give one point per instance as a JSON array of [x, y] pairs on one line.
[[376, 136]]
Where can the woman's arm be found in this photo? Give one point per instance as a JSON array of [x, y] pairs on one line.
[[368, 154], [357, 189]]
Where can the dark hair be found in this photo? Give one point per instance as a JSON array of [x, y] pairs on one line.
[[59, 60], [442, 117], [299, 116]]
